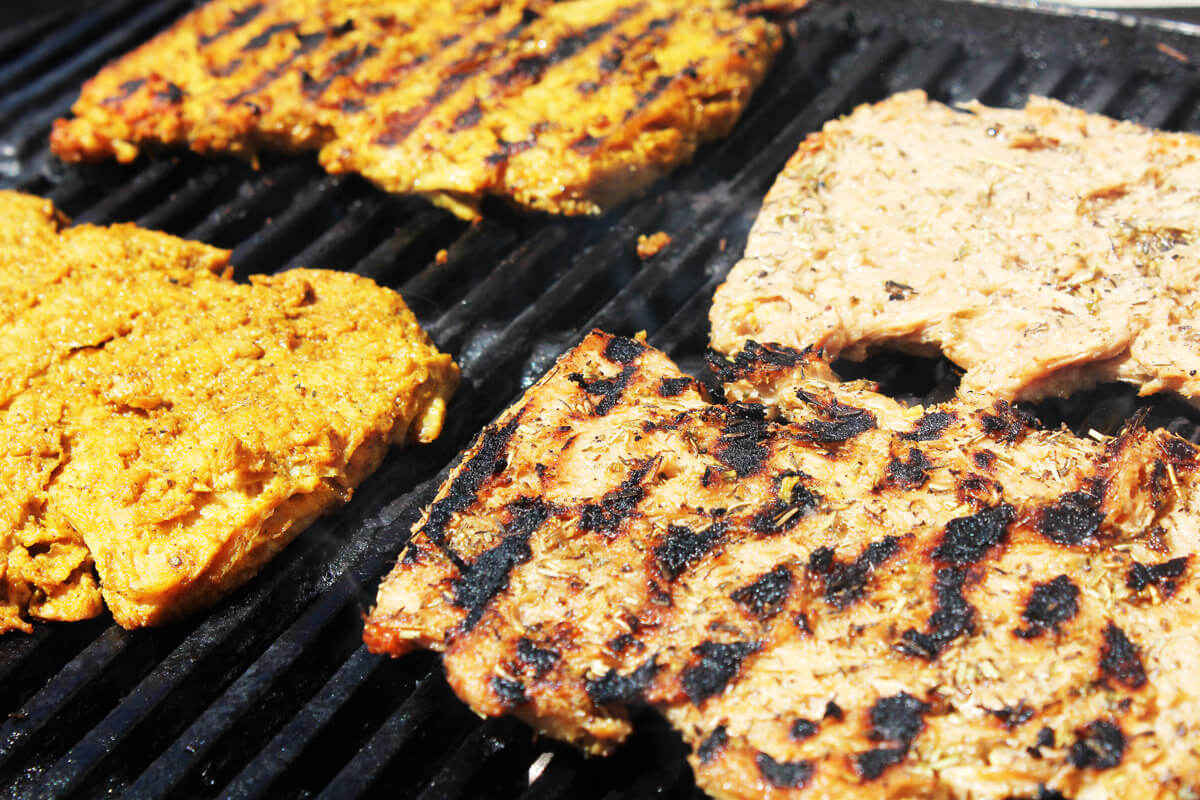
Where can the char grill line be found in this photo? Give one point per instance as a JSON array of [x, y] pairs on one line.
[[271, 693]]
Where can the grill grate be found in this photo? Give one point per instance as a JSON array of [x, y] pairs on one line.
[[271, 694]]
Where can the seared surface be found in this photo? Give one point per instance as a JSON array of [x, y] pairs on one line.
[[1041, 249], [174, 427], [827, 594], [561, 107]]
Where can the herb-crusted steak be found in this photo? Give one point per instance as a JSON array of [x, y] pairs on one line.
[[169, 430], [564, 107], [826, 593], [1040, 249]]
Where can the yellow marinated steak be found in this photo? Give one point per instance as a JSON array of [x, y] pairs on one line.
[[168, 430], [562, 107], [1040, 249], [826, 593]]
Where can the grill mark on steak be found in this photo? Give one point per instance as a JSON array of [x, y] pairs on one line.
[[897, 719], [529, 69], [489, 460], [1050, 604], [619, 504], [713, 745], [1120, 659], [673, 387], [683, 547], [1162, 575], [784, 774], [741, 446], [510, 692], [342, 63], [1073, 520], [930, 427], [802, 729], [968, 539], [261, 40], [235, 21], [488, 574], [910, 474], [609, 390], [846, 582], [1100, 745], [124, 92], [612, 687], [717, 665], [952, 617], [1007, 424], [623, 350], [766, 595], [749, 359], [843, 424], [542, 659]]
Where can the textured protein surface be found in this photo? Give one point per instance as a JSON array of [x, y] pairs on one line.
[[827, 594], [1042, 249], [170, 430], [563, 107]]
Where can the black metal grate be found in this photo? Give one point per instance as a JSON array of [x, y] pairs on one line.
[[271, 694]]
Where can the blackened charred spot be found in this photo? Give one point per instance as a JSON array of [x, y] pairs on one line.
[[713, 745], [469, 117], [1007, 423], [509, 149], [618, 505], [930, 427], [1179, 453], [349, 105], [872, 763], [124, 91], [910, 474], [488, 574], [1120, 660], [586, 144], [510, 692], [343, 63], [1161, 575], [683, 547], [490, 459], [834, 712], [803, 729], [448, 41], [1050, 604], [261, 40], [898, 291], [896, 719], [1073, 520], [609, 390], [611, 60], [794, 502], [626, 641], [784, 774], [765, 596], [1100, 745], [623, 350], [968, 539], [613, 687], [542, 659], [310, 41], [237, 20], [718, 663], [770, 357], [673, 387], [842, 423], [172, 94], [984, 459], [741, 446], [952, 617], [846, 582], [1045, 737], [1013, 716]]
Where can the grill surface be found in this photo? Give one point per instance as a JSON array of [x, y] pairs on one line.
[[271, 694]]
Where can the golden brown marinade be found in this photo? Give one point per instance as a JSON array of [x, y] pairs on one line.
[[827, 594], [562, 107], [164, 431]]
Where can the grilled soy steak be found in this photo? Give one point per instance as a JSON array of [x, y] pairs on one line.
[[168, 430], [1041, 249], [563, 107], [826, 593]]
